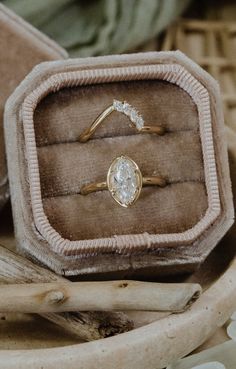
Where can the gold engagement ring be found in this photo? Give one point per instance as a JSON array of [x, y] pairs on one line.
[[124, 182], [125, 108]]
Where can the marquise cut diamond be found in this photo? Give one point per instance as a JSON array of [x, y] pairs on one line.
[[124, 180], [127, 109]]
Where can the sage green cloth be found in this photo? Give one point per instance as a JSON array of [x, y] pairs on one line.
[[98, 27]]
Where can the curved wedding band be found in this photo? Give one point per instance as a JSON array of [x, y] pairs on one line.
[[124, 182], [125, 108]]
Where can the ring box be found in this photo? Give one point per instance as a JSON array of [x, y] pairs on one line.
[[21, 47], [169, 230]]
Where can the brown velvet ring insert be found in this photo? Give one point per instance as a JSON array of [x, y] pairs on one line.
[[55, 114]]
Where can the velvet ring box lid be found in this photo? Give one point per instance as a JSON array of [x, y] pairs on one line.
[[168, 230], [21, 48]]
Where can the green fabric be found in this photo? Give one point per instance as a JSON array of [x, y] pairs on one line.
[[98, 27]]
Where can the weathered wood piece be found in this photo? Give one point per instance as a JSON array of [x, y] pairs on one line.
[[97, 296], [85, 325], [154, 346]]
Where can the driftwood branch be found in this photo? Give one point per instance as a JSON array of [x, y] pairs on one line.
[[85, 325], [155, 346], [97, 296]]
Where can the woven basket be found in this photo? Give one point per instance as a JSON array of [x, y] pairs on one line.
[[212, 44]]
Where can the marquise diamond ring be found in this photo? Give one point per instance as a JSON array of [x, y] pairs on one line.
[[124, 182]]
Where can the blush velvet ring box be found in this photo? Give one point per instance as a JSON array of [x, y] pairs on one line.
[[21, 48], [170, 229]]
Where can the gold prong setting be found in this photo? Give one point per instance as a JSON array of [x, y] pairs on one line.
[[124, 181], [134, 116]]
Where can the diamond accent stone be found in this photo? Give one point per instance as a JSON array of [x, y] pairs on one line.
[[129, 111], [133, 116], [118, 106], [139, 123], [124, 181], [127, 108]]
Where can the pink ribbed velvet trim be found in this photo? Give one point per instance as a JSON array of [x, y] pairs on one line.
[[172, 73]]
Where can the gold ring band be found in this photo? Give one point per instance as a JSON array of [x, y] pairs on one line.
[[125, 108], [124, 182]]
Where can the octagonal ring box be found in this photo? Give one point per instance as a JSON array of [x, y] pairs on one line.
[[168, 230]]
